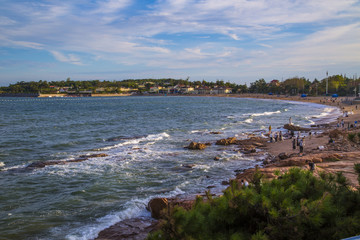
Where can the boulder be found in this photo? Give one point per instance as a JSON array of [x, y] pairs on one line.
[[156, 205], [291, 127], [215, 132], [227, 141], [283, 156], [196, 146]]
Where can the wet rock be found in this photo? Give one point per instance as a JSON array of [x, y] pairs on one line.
[[188, 165], [134, 229], [94, 155], [215, 132], [196, 146], [216, 158], [225, 183], [39, 164], [248, 149], [227, 141], [156, 205]]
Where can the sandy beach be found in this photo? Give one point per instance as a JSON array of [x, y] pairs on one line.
[[327, 147]]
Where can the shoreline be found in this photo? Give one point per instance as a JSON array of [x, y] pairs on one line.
[[345, 158]]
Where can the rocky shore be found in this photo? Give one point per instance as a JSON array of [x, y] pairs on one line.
[[327, 148]]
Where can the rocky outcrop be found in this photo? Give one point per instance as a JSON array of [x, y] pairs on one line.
[[227, 141], [42, 164], [196, 146], [134, 229], [292, 127], [156, 205]]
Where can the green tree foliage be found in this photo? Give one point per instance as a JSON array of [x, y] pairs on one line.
[[293, 86], [296, 205], [259, 86]]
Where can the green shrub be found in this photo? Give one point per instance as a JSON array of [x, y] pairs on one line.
[[296, 205]]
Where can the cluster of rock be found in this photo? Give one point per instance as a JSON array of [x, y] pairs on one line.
[[197, 146], [42, 164], [246, 146]]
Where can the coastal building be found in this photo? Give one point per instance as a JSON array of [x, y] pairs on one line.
[[186, 90], [202, 90], [221, 90]]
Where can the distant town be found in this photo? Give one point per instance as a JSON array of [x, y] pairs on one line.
[[336, 84]]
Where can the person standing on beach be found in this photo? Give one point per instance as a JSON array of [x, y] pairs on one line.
[[301, 145], [269, 129], [280, 136], [294, 143], [290, 121]]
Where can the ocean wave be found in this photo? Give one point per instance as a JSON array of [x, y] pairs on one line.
[[151, 138], [2, 164], [134, 208], [264, 113], [249, 120]]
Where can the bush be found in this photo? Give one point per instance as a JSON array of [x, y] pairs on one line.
[[297, 205]]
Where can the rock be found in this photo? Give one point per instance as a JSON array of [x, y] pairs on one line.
[[215, 132], [189, 165], [94, 155], [217, 158], [196, 146], [39, 164], [295, 128], [225, 183], [283, 156], [134, 229], [156, 205], [248, 149], [227, 141]]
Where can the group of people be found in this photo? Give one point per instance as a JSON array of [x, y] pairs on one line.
[[274, 137], [300, 142]]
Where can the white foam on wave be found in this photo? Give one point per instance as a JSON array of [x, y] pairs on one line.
[[151, 137], [2, 164], [249, 120], [265, 113], [134, 208]]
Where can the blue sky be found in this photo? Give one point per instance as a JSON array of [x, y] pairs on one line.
[[232, 40]]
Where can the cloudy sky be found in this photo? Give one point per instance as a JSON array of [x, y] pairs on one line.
[[232, 40]]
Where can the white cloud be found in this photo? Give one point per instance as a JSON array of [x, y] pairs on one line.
[[111, 6], [69, 58]]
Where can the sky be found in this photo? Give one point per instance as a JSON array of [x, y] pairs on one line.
[[238, 41]]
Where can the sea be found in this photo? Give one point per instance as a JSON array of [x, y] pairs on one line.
[[144, 139]]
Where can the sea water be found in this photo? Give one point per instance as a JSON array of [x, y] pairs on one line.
[[144, 139]]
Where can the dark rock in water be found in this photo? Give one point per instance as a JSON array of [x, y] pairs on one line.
[[227, 141], [156, 205], [42, 164], [225, 183], [134, 229], [196, 146], [189, 165], [215, 132], [94, 155], [39, 164], [120, 138], [217, 158], [208, 187]]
